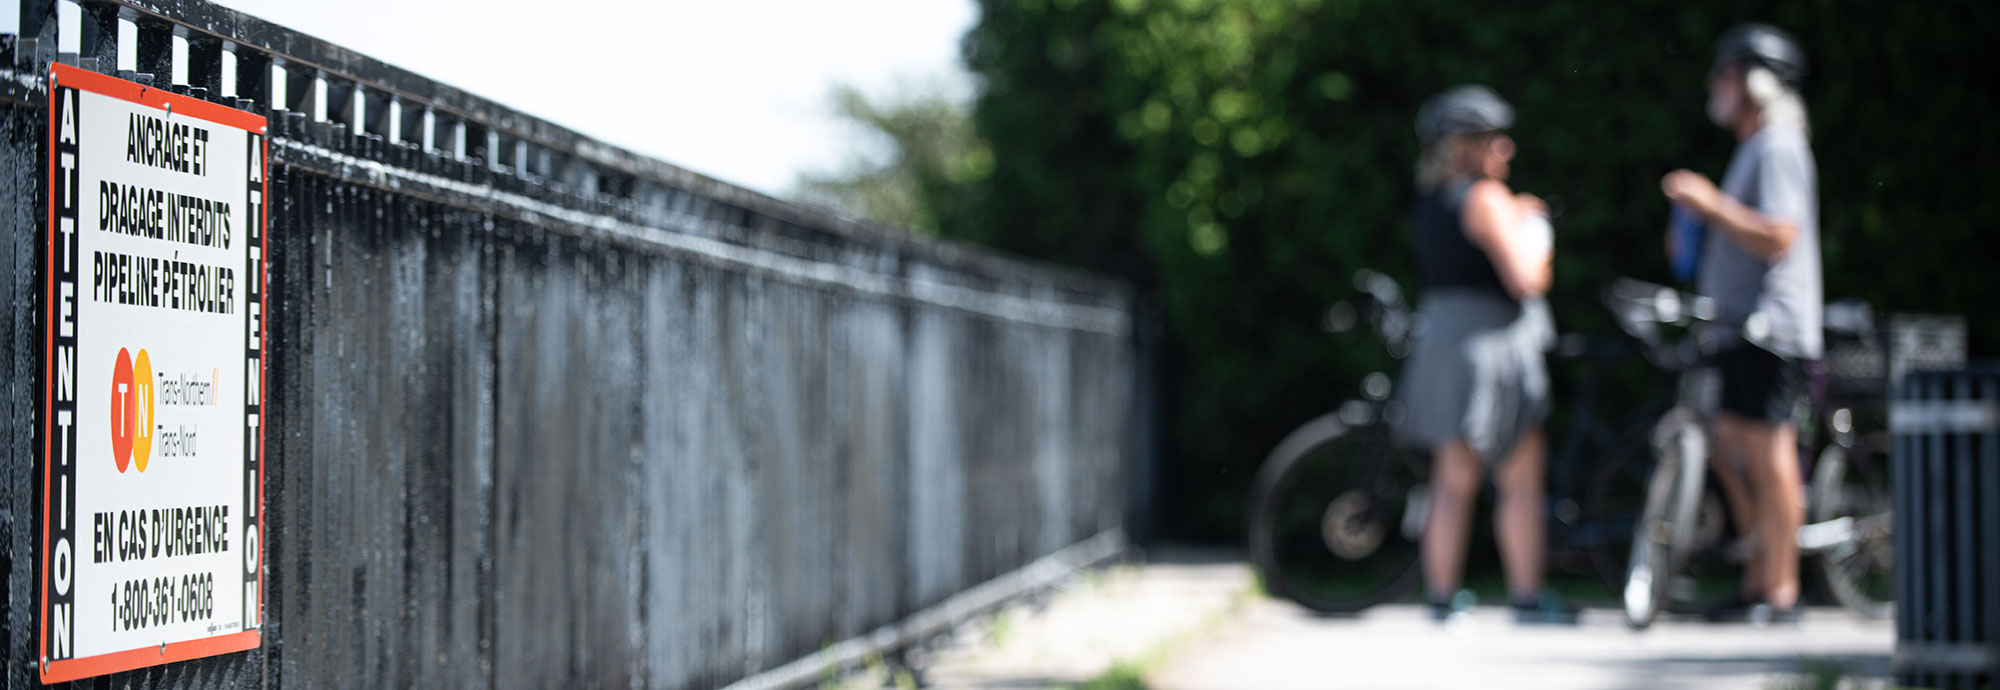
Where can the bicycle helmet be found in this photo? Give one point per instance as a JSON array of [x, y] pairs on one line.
[[1468, 109], [1763, 44]]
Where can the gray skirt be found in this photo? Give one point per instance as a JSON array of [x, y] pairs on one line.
[[1476, 371]]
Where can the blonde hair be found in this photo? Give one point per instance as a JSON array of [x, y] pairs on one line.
[[1444, 158], [1438, 162]]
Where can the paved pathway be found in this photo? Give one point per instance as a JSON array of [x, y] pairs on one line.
[[1191, 620], [1273, 645], [1132, 614]]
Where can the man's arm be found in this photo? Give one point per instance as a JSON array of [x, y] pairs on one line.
[[1762, 236]]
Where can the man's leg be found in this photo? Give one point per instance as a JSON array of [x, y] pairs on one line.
[[1732, 472], [1772, 455], [1455, 477], [1519, 521]]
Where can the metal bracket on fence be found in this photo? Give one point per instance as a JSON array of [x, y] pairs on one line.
[[1947, 657], [1944, 416]]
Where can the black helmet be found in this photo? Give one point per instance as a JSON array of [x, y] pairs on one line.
[[1763, 44], [1467, 109]]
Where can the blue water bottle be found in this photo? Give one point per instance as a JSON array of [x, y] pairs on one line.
[[1688, 231]]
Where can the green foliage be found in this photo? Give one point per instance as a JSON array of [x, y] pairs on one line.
[[1240, 159], [1118, 677], [1821, 673], [933, 164]]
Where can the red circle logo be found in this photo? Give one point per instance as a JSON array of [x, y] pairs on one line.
[[124, 410]]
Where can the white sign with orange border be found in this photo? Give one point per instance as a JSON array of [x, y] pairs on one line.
[[152, 435]]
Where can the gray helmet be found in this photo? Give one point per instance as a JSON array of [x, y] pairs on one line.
[[1765, 45], [1468, 109]]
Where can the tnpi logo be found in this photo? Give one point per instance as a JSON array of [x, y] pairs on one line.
[[131, 410]]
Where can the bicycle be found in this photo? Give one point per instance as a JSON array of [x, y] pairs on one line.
[[1337, 510], [1847, 537], [1843, 449], [1664, 535]]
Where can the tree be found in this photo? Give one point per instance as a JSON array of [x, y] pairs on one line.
[[1241, 159], [933, 161]]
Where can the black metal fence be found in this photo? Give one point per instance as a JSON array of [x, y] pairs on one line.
[[1945, 474], [547, 413]]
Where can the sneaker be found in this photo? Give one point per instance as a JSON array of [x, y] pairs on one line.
[[1546, 609], [1455, 609], [1735, 610], [1763, 615], [1755, 612]]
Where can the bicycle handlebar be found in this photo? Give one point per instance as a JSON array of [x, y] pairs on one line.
[[1642, 309], [1384, 308]]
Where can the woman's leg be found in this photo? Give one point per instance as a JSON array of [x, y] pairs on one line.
[[1455, 478], [1519, 521]]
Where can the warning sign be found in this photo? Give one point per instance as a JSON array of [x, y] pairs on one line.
[[152, 438]]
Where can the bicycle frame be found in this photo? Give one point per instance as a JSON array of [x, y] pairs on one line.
[[1588, 437]]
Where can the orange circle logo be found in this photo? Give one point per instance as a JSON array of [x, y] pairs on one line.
[[142, 410], [131, 410]]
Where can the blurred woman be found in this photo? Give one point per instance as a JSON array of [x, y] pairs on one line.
[[1476, 389]]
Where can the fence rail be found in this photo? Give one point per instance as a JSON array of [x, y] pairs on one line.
[[547, 412]]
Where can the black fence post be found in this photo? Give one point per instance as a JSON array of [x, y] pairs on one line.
[[155, 53], [1945, 470], [414, 126], [301, 90], [97, 38], [37, 45], [204, 67], [341, 96]]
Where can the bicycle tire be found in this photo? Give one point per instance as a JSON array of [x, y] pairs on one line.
[[1329, 517], [1673, 497], [1614, 496], [1857, 572]]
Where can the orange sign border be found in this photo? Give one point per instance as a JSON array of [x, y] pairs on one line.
[[114, 662]]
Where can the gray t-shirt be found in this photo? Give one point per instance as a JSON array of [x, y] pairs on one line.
[[1775, 305]]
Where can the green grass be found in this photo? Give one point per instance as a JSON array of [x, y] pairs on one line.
[[1818, 674], [1580, 590], [1130, 674], [1001, 629], [1122, 676], [1827, 673]]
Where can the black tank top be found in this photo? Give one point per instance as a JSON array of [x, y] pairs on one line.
[[1445, 256]]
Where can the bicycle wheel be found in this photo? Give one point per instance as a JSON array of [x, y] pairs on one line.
[[1612, 502], [1673, 498], [1336, 515], [1856, 563]]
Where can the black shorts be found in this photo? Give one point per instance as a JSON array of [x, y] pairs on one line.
[[1757, 384]]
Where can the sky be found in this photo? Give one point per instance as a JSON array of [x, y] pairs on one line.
[[732, 89]]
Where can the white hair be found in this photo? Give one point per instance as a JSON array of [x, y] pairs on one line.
[[1780, 103]]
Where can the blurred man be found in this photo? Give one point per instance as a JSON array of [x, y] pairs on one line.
[[1760, 262]]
